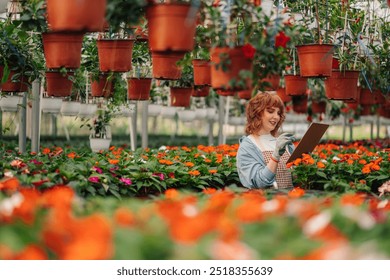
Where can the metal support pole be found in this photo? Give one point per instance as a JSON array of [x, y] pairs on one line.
[[344, 127], [211, 128], [22, 124], [378, 126], [371, 129], [133, 128], [35, 117], [221, 110], [144, 132], [53, 120]]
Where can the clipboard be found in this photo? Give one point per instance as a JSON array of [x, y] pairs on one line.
[[309, 140]]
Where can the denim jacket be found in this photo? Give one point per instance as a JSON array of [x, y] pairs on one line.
[[251, 166]]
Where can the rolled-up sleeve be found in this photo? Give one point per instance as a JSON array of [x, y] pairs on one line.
[[251, 167]]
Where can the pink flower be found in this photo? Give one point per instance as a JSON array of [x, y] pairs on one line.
[[281, 40], [98, 170], [93, 179], [248, 50], [126, 181], [160, 175], [36, 162]]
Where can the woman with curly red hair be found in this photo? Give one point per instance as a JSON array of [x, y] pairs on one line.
[[262, 155]]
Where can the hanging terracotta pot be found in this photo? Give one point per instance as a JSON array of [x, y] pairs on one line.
[[58, 84], [115, 55], [76, 15], [315, 60], [222, 73], [202, 72], [295, 85], [318, 107], [19, 86], [181, 97], [371, 98], [226, 92], [300, 104], [62, 49], [201, 91], [281, 92], [165, 65], [354, 104], [366, 110], [171, 27], [138, 89], [245, 94], [271, 82], [103, 87], [342, 85], [384, 109]]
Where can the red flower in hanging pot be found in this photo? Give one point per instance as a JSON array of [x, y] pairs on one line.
[[281, 40], [248, 50], [335, 63]]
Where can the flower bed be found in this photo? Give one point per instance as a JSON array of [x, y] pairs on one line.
[[212, 224], [358, 166]]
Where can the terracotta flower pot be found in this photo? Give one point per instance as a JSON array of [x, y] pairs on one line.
[[164, 65], [103, 87], [226, 92], [281, 92], [315, 60], [342, 85], [295, 85], [171, 27], [181, 97], [370, 98], [245, 94], [271, 82], [76, 15], [318, 107], [300, 104], [62, 49], [201, 91], [115, 55], [19, 86], [138, 89], [58, 84], [221, 74], [202, 72]]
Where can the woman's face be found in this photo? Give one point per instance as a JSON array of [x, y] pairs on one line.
[[270, 119]]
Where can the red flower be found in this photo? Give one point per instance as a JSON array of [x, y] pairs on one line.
[[248, 50], [335, 63], [281, 40]]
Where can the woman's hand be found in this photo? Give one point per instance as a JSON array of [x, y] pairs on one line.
[[281, 142]]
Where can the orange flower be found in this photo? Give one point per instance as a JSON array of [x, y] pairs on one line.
[[212, 171], [209, 191], [87, 238], [194, 172], [352, 199], [113, 161], [165, 161], [124, 217], [362, 161], [320, 164], [46, 151], [171, 193], [207, 160], [296, 192], [9, 184], [31, 252], [72, 155], [189, 164]]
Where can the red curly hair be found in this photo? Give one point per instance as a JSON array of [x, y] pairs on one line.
[[255, 110]]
